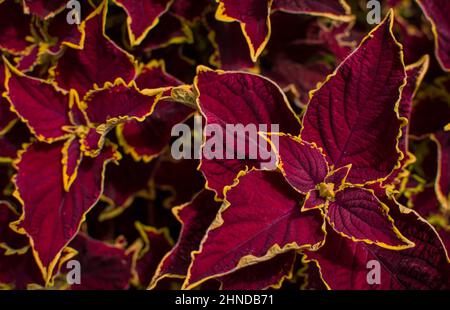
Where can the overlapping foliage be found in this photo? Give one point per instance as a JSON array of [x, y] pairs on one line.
[[362, 153]]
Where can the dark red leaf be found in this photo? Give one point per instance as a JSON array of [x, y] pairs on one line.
[[259, 219], [231, 49], [52, 216], [357, 214], [118, 102], [195, 216], [40, 104], [78, 69], [170, 30], [353, 117], [253, 16], [142, 16], [344, 264], [435, 12], [303, 164], [231, 98], [270, 273], [14, 28]]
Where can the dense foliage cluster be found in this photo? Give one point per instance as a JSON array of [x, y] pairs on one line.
[[358, 196]]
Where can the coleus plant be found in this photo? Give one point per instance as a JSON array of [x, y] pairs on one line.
[[70, 153], [327, 163], [361, 172]]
